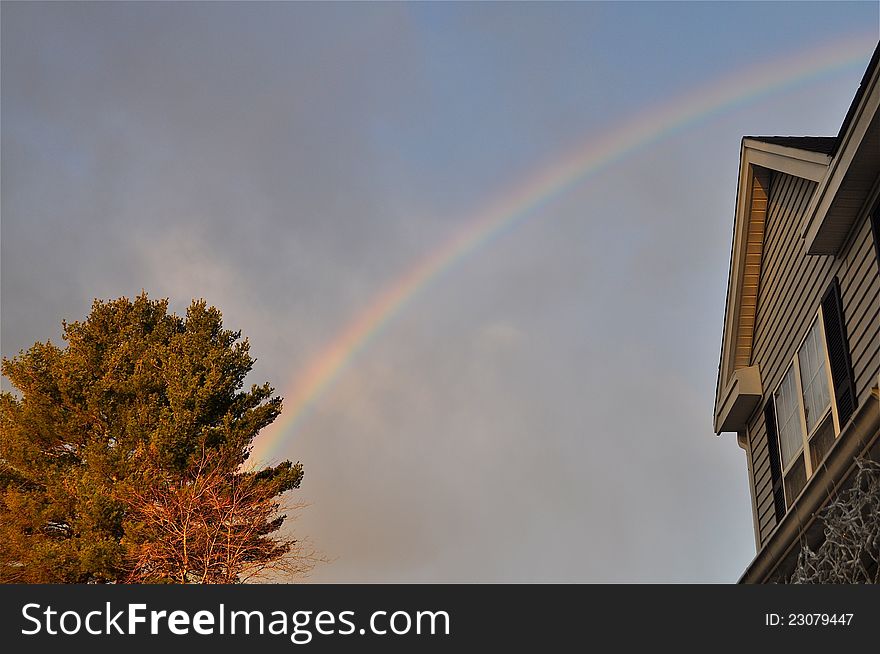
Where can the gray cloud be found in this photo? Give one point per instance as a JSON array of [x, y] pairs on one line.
[[542, 411]]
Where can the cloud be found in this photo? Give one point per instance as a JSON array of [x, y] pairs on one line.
[[539, 412], [499, 336]]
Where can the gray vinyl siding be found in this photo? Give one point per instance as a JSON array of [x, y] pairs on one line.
[[788, 278], [791, 287], [860, 293]]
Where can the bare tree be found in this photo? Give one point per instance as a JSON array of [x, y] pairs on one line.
[[850, 553], [212, 528]]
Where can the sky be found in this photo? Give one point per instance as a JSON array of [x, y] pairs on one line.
[[481, 249]]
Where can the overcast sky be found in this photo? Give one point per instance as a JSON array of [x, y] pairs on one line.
[[540, 412]]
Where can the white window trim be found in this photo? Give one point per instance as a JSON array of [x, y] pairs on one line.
[[804, 451], [801, 416]]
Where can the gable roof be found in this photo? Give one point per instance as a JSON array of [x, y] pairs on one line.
[[829, 161], [860, 92], [738, 388], [820, 144]]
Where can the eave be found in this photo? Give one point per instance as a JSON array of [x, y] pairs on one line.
[[740, 399], [757, 162], [850, 185]]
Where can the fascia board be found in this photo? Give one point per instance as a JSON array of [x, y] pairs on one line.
[[822, 199]]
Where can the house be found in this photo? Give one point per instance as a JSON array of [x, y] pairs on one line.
[[800, 358]]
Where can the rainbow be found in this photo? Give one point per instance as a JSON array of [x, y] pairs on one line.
[[512, 206]]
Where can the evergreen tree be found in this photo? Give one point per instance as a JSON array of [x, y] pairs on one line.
[[138, 400]]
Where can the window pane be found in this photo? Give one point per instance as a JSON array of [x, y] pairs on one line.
[[788, 419], [822, 441], [795, 481], [814, 379]]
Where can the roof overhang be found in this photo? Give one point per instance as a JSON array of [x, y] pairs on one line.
[[784, 159], [740, 399], [849, 187], [757, 160]]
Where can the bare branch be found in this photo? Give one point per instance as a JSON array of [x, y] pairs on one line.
[[213, 526], [850, 553]]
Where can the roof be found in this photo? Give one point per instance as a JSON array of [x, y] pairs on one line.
[[820, 144], [827, 144], [830, 162], [850, 114]]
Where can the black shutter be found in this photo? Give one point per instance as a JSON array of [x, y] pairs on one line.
[[775, 461], [838, 353]]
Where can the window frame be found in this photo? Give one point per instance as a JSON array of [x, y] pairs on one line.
[[799, 410], [803, 453]]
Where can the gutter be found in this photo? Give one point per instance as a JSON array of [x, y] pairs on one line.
[[854, 441]]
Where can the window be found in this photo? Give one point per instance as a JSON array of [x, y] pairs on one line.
[[814, 377], [788, 421], [815, 397], [804, 412]]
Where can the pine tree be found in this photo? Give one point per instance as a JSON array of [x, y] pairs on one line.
[[137, 400]]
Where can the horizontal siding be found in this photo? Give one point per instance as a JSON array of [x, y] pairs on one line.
[[783, 192], [860, 293], [767, 522], [791, 286], [764, 484], [763, 476], [790, 294], [761, 483], [766, 515], [761, 456]]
